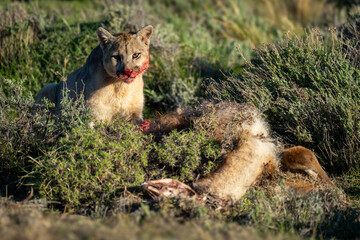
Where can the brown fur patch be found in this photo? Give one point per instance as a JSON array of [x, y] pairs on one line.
[[302, 159]]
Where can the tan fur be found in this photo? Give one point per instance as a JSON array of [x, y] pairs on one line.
[[252, 150], [111, 79], [239, 171], [239, 128], [243, 165]]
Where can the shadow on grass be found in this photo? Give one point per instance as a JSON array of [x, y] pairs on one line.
[[336, 224]]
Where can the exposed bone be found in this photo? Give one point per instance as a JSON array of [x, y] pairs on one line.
[[170, 188]]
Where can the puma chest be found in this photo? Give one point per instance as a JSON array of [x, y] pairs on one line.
[[119, 97]]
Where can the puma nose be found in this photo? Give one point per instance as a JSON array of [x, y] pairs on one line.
[[128, 71]]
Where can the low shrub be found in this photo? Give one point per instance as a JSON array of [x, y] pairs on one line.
[[26, 132], [187, 155], [88, 166]]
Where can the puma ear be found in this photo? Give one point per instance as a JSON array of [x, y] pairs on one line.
[[104, 36], [145, 33]]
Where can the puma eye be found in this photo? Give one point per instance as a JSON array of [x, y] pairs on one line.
[[117, 57], [136, 55]]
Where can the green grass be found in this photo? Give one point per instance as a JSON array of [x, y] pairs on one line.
[[306, 82]]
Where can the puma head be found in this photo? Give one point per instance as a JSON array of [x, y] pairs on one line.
[[125, 55]]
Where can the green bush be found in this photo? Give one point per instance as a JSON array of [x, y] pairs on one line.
[[26, 132], [310, 93], [89, 165], [187, 155], [18, 138]]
